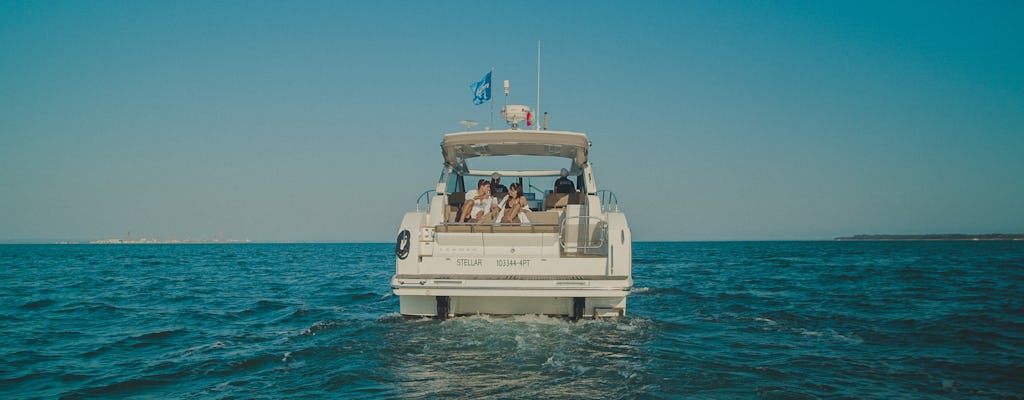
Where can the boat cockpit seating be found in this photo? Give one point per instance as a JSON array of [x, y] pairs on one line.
[[560, 200], [455, 202]]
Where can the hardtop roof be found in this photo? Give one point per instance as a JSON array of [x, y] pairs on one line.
[[458, 147]]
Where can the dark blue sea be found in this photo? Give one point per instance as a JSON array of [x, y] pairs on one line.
[[772, 320]]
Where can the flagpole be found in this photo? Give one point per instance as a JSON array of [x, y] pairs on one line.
[[491, 100]]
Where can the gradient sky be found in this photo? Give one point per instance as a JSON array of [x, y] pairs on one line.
[[309, 121]]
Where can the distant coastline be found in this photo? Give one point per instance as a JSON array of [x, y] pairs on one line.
[[216, 239], [944, 236], [162, 241]]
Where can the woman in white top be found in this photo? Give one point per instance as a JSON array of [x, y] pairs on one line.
[[515, 205]]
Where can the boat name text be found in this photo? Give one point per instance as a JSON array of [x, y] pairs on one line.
[[513, 263], [469, 262]]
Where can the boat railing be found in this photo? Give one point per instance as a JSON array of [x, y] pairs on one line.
[[419, 200], [609, 201], [579, 237]]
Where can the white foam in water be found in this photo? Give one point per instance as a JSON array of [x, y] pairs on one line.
[[551, 362], [538, 319], [391, 317], [848, 338], [580, 370], [319, 325], [522, 344], [220, 387], [626, 327]]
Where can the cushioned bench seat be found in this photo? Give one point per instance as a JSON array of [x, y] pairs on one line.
[[560, 200], [491, 228], [540, 221]]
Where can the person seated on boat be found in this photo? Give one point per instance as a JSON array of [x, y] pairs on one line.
[[563, 184], [479, 202], [497, 189], [516, 206]]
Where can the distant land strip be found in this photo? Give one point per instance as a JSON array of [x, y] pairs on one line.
[[944, 236]]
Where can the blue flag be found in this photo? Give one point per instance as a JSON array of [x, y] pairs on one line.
[[482, 90]]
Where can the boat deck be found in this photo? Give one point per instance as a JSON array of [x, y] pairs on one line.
[[492, 228]]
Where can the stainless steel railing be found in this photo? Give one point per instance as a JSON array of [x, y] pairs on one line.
[[609, 201], [585, 238], [420, 199]]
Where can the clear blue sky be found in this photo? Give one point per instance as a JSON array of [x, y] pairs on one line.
[[282, 121]]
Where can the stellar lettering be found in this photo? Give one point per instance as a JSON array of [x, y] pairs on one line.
[[469, 262]]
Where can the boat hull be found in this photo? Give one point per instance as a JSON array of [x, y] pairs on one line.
[[593, 307], [572, 297]]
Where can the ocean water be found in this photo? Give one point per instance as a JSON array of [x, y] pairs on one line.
[[776, 320]]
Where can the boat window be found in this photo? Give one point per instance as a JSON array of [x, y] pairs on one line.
[[535, 188], [453, 183]]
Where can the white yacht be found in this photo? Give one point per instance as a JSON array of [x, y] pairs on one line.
[[571, 254]]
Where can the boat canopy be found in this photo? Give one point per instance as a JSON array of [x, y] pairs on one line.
[[458, 147]]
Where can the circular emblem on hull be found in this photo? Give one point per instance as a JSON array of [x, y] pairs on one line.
[[402, 244]]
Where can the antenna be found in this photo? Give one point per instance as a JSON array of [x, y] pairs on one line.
[[506, 92], [538, 84], [468, 124]]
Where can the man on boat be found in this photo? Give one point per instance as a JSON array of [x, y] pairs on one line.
[[563, 184], [479, 203], [496, 187]]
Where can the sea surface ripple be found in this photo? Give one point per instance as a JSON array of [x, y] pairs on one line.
[[774, 320]]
